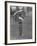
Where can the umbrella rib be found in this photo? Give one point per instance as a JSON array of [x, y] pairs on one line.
[[17, 12]]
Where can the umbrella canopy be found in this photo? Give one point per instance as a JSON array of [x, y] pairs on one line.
[[19, 15]]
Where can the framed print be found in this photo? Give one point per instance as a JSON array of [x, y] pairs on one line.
[[20, 22]]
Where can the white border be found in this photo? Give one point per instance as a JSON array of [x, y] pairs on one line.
[[8, 23]]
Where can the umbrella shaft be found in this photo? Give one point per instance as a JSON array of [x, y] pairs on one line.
[[20, 28]]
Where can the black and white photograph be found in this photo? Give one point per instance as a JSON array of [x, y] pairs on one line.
[[20, 22]]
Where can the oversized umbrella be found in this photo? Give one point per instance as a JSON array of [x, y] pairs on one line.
[[19, 17]]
